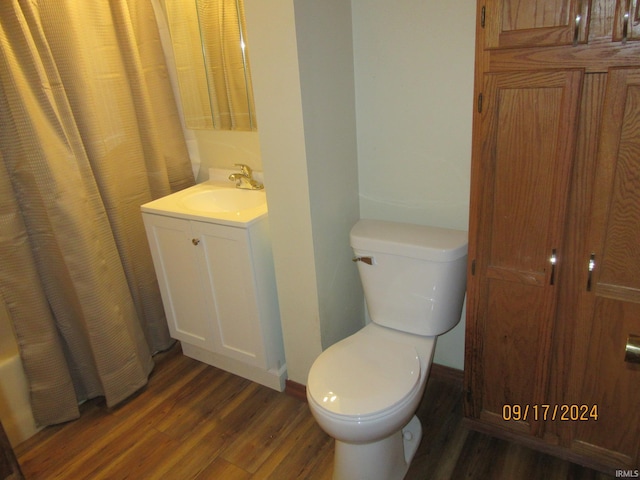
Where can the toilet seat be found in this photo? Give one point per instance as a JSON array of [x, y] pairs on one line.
[[364, 375]]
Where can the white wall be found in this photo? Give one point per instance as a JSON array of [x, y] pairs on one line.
[[325, 56], [413, 63], [224, 149], [303, 86], [414, 84], [275, 70]]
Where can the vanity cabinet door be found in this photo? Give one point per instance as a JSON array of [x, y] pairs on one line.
[[206, 277], [176, 253], [533, 23], [230, 292]]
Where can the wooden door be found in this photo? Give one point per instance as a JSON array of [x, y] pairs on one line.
[[519, 192], [610, 299], [534, 23]]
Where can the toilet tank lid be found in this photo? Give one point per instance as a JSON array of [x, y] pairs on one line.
[[409, 240]]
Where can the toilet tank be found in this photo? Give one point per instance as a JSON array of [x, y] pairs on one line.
[[416, 278]]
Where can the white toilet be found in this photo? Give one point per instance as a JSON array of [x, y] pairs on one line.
[[365, 389]]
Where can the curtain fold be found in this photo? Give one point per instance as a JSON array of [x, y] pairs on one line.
[[89, 131]]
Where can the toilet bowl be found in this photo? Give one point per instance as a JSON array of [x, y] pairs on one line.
[[364, 390]]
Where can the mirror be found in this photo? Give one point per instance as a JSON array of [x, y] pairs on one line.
[[212, 62]]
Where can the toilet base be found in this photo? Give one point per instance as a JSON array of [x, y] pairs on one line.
[[386, 459]]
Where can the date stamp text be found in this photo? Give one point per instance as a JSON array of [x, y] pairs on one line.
[[563, 413]]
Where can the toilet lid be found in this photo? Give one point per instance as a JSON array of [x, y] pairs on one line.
[[363, 374]]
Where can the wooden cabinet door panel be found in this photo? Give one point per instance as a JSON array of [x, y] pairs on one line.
[[610, 387], [612, 306], [528, 126], [511, 345], [521, 169], [615, 227], [534, 23], [627, 20]]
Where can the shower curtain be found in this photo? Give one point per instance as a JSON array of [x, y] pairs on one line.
[[89, 131]]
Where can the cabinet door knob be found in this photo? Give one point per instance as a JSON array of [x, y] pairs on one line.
[[576, 27], [625, 21], [195, 241], [632, 350], [592, 265], [553, 260]]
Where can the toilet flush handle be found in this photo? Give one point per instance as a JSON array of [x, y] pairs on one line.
[[367, 260]]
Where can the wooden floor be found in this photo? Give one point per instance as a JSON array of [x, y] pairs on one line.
[[194, 421]]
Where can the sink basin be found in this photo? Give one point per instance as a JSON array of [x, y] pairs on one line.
[[224, 200], [215, 202]]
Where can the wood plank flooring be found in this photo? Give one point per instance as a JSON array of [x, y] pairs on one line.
[[194, 421]]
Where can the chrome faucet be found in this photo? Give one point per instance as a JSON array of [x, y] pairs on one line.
[[244, 179]]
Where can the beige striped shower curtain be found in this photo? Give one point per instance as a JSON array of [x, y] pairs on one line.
[[89, 131]]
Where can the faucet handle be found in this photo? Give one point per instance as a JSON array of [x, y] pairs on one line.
[[245, 169]]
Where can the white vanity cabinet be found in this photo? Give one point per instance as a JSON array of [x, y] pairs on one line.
[[219, 293]]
